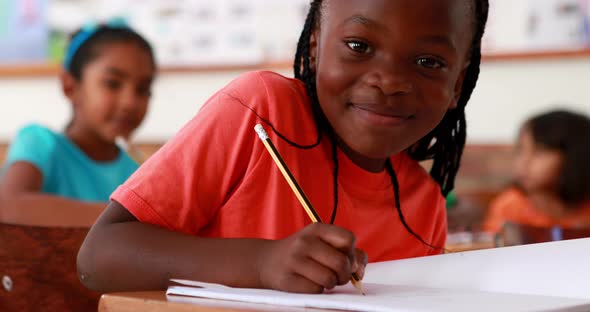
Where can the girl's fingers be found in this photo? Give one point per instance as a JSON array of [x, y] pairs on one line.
[[317, 273], [333, 259], [361, 260], [338, 237]]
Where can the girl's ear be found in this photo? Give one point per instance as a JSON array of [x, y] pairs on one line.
[[69, 86], [459, 87]]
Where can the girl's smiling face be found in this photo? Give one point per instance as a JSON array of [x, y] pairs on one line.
[[112, 98], [387, 71]]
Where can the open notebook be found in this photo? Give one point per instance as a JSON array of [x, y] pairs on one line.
[[542, 277], [381, 298]]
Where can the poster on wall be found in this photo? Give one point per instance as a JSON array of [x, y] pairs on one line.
[[537, 25], [557, 25], [194, 32], [23, 31], [188, 33]]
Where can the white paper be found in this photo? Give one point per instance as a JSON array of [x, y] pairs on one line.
[[550, 269], [541, 277], [381, 298]]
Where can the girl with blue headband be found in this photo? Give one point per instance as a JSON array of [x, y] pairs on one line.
[[107, 76]]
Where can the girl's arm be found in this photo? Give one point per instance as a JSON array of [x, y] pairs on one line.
[[123, 254], [22, 203]]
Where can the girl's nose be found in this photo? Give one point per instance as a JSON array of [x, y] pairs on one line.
[[130, 100], [391, 80]]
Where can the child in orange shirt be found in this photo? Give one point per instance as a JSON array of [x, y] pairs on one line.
[[552, 175], [379, 85]]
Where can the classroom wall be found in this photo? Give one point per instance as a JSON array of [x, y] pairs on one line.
[[508, 92]]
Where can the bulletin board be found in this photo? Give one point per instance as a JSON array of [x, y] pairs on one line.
[[206, 35], [537, 28], [187, 35]]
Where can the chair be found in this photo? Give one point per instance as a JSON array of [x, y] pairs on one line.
[[38, 269]]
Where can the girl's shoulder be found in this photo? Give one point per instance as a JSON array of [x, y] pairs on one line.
[[36, 130], [265, 84], [266, 77], [513, 193], [272, 99], [35, 136], [509, 199], [35, 144]]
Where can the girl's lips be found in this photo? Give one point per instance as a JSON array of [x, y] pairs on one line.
[[378, 116], [124, 124]]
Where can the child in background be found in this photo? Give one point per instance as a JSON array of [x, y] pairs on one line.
[[107, 77], [380, 85], [552, 167]]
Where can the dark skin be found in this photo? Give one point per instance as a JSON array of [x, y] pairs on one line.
[[319, 256], [385, 77], [109, 100]]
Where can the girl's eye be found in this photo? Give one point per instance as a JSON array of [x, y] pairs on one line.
[[112, 84], [359, 47], [430, 63], [144, 91]]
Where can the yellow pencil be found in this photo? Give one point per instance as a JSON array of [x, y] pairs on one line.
[[313, 215]]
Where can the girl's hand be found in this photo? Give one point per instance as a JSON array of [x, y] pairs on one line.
[[359, 265], [318, 257]]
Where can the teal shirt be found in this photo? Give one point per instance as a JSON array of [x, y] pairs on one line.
[[67, 170]]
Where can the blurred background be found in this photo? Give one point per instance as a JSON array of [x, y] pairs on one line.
[[536, 58]]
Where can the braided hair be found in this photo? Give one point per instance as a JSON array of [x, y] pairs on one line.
[[444, 145], [449, 136]]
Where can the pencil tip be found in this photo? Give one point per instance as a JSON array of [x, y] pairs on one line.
[[356, 282]]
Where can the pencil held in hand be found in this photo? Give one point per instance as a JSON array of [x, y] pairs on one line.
[[313, 215]]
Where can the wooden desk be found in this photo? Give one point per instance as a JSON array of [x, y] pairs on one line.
[[469, 246], [155, 301]]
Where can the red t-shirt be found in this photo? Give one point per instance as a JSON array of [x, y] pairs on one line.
[[216, 179]]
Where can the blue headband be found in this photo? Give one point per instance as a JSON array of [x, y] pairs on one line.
[[87, 31]]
